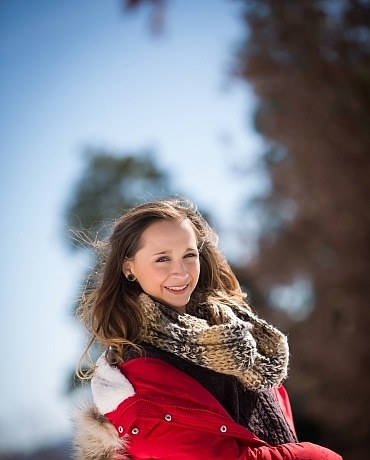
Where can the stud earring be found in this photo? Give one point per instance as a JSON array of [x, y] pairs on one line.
[[131, 277]]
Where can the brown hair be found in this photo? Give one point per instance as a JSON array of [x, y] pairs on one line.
[[109, 307]]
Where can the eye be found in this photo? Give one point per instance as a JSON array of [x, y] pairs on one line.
[[191, 254], [163, 259]]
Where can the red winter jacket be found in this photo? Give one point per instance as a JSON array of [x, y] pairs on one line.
[[162, 413]]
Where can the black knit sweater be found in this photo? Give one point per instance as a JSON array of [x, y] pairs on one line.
[[256, 410]]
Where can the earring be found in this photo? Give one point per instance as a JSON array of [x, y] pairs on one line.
[[131, 277]]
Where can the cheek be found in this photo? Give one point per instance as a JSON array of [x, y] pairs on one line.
[[196, 270], [152, 274]]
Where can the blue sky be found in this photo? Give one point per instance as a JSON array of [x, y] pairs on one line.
[[78, 73]]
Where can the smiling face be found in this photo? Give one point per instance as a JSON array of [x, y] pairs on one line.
[[167, 264]]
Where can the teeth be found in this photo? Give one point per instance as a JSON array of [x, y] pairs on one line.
[[177, 288]]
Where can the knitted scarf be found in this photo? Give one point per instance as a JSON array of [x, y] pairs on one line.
[[227, 339]]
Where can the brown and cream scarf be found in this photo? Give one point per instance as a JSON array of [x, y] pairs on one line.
[[227, 339]]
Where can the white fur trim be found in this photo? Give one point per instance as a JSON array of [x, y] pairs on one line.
[[95, 438], [109, 386]]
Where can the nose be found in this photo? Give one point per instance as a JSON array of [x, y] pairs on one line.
[[179, 268]]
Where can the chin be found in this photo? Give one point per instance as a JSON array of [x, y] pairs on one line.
[[177, 305]]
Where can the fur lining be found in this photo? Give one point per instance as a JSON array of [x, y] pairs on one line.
[[95, 438], [109, 386]]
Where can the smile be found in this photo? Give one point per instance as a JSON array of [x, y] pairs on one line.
[[177, 288]]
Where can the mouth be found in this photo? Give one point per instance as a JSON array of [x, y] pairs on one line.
[[177, 288]]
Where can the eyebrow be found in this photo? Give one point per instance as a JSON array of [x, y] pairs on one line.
[[167, 251]]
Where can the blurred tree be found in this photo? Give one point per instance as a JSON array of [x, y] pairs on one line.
[[62, 451], [309, 64], [109, 184]]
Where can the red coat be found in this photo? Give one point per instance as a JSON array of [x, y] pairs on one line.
[[165, 414]]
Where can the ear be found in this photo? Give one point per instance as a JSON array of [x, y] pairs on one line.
[[126, 267]]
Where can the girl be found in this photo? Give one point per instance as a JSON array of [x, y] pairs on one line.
[[189, 372]]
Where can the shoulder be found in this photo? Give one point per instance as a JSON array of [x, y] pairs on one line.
[[150, 377], [151, 383]]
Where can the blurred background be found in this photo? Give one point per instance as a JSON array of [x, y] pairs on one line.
[[257, 110]]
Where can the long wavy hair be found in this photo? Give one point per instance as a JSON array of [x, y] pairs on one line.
[[109, 308]]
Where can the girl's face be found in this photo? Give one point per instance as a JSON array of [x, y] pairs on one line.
[[167, 264]]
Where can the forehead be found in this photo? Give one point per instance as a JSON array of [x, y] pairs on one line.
[[169, 231]]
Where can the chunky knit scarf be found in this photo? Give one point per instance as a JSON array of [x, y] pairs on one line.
[[228, 340]]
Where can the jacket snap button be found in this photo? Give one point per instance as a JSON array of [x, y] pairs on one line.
[[223, 428], [120, 429], [168, 417], [135, 431]]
